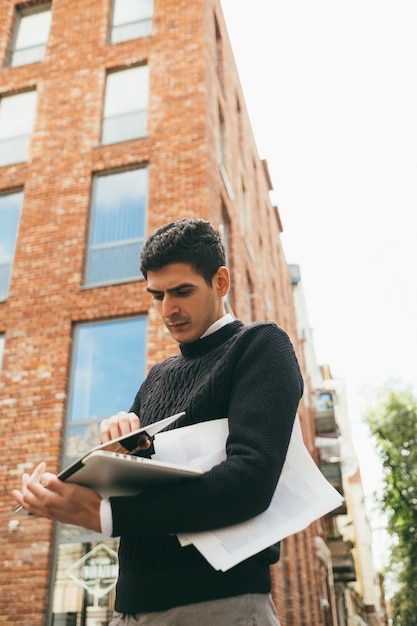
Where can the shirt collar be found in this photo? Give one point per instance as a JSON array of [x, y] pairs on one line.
[[226, 319]]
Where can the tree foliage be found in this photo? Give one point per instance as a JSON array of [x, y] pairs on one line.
[[393, 423]]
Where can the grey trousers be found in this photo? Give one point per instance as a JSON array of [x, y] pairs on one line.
[[246, 610]]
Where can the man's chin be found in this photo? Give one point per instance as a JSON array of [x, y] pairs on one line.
[[182, 333]]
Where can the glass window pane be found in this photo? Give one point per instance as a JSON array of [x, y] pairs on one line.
[[117, 226], [109, 362], [131, 30], [126, 91], [28, 55], [131, 11], [125, 104], [114, 263], [10, 206], [86, 574], [119, 206], [124, 127], [131, 19], [17, 116], [32, 35], [1, 349], [33, 29]]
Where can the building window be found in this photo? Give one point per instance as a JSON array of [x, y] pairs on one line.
[[108, 365], [218, 52], [1, 349], [131, 19], [30, 36], [250, 299], [221, 138], [222, 153], [243, 206], [125, 105], [117, 229], [224, 230], [17, 115], [10, 207], [239, 127], [225, 235], [86, 574]]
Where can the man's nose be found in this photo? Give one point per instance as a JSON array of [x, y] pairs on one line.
[[169, 306]]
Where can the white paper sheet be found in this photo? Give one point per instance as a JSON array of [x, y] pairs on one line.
[[201, 445], [303, 494]]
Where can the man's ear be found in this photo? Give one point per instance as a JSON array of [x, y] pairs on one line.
[[221, 281]]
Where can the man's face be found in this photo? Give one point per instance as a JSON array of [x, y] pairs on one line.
[[186, 303]]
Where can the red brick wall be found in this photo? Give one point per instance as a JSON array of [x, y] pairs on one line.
[[45, 298]]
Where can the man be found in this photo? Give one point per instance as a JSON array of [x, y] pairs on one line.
[[248, 374]]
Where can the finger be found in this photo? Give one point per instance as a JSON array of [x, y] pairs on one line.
[[110, 428], [133, 422], [120, 424], [127, 422], [38, 472], [17, 495], [31, 483], [50, 481], [36, 494], [34, 477], [25, 480], [105, 431]]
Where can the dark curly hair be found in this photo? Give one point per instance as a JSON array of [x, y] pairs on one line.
[[193, 241]]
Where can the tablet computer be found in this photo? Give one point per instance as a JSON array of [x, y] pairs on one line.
[[116, 474]]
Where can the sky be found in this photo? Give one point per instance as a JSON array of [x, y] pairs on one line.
[[331, 92]]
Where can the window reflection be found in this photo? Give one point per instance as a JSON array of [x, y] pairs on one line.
[[108, 367], [117, 231], [10, 207]]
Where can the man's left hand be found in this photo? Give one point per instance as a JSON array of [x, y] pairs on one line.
[[44, 495]]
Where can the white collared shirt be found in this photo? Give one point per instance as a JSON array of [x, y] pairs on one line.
[[222, 321]]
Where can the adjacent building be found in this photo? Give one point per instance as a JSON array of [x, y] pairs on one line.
[[348, 535]]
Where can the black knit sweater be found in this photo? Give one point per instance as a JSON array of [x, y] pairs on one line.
[[250, 375]]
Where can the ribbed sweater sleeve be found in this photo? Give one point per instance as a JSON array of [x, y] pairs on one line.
[[248, 374]]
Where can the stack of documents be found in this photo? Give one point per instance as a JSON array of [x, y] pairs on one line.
[[302, 495]]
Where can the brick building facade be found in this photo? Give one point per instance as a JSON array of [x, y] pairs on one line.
[[116, 117]]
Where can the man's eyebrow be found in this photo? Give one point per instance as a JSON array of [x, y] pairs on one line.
[[172, 289]]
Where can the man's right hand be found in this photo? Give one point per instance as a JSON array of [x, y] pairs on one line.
[[120, 424]]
